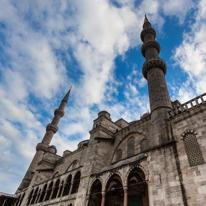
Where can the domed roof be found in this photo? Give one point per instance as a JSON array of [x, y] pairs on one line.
[[107, 168], [52, 149], [121, 163], [139, 157]]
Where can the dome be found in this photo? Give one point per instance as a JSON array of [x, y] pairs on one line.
[[107, 168], [52, 149], [121, 163], [139, 157]]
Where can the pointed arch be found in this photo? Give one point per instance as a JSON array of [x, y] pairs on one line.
[[49, 190], [68, 184], [95, 197], [137, 189], [30, 196], [114, 191], [75, 164], [43, 193], [56, 188], [61, 188], [76, 182]]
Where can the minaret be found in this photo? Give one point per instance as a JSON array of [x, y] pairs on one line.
[[154, 70], [51, 129]]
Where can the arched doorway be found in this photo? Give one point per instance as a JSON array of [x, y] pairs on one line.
[[95, 194], [137, 188], [114, 191]]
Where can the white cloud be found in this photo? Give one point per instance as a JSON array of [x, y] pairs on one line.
[[37, 34], [190, 55]]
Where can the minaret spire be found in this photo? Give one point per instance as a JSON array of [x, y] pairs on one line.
[[51, 129], [154, 70], [146, 19]]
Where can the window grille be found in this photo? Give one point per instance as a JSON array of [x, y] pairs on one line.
[[193, 150]]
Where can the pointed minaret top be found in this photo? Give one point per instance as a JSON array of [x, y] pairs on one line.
[[146, 19], [67, 96]]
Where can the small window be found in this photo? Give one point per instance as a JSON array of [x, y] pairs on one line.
[[193, 150], [119, 155], [130, 147]]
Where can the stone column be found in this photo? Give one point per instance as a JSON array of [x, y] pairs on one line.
[[125, 196], [58, 191], [4, 201], [31, 199], [64, 185], [52, 193], [103, 198], [38, 197], [70, 190], [45, 195]]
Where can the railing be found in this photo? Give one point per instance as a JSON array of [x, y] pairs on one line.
[[180, 108]]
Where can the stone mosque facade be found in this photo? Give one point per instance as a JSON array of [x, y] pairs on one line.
[[158, 160]]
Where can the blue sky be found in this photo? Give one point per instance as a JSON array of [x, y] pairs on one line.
[[94, 45]]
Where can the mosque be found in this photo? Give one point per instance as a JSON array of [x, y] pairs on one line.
[[158, 160]]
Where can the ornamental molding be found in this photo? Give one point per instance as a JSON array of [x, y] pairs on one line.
[[59, 112], [154, 63], [147, 31], [52, 127], [150, 44], [41, 146], [188, 131]]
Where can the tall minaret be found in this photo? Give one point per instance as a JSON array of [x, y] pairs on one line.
[[154, 70], [51, 129]]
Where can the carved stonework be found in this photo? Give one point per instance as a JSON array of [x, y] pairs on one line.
[[52, 127], [41, 146], [150, 44], [154, 63], [147, 31], [59, 111]]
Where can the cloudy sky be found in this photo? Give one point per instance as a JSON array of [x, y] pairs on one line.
[[47, 45]]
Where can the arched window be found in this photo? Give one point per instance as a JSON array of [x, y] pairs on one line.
[[43, 193], [34, 196], [49, 191], [130, 147], [29, 198], [119, 155], [56, 188], [76, 182], [38, 196], [68, 185], [70, 205], [193, 150], [61, 188]]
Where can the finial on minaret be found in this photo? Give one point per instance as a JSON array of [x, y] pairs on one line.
[[146, 19], [67, 96]]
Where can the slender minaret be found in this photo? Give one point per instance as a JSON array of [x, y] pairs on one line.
[[51, 129], [154, 70]]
